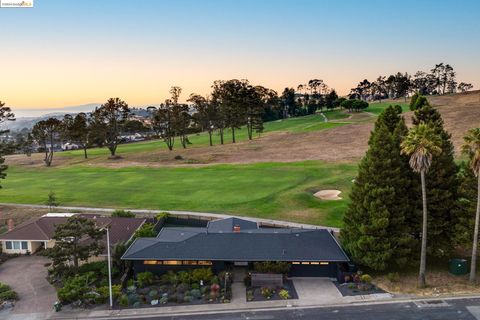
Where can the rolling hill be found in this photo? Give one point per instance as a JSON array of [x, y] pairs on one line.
[[273, 176]]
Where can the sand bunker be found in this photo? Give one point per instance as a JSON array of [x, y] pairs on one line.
[[328, 194]]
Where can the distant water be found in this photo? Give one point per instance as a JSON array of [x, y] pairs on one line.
[[39, 112]]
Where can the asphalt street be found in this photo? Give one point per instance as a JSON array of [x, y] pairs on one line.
[[437, 310]]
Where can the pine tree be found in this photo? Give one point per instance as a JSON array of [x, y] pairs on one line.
[[466, 206], [442, 186], [375, 231]]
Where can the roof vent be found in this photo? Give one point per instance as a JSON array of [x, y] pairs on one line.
[[236, 228]]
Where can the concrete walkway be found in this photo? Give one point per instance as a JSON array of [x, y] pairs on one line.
[[207, 215], [316, 291]]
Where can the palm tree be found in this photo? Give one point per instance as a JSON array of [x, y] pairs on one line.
[[471, 147], [421, 144]]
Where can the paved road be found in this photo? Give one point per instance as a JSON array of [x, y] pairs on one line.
[[451, 310]]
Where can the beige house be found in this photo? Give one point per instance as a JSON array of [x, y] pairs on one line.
[[37, 233]]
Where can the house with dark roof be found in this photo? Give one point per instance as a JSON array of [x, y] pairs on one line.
[[37, 233], [237, 242]]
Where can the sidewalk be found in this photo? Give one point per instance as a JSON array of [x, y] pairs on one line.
[[208, 215], [215, 309]]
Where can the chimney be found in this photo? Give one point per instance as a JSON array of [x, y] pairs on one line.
[[236, 228], [10, 224]]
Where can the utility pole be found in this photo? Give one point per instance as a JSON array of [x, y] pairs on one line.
[[109, 269]]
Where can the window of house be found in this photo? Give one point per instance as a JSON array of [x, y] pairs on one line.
[[16, 245], [324, 263], [8, 244], [295, 262], [172, 262], [189, 263], [305, 262], [24, 245], [314, 262], [204, 263], [150, 262]]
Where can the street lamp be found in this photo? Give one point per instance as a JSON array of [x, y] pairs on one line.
[[109, 268]]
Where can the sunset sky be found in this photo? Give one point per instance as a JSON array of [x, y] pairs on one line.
[[65, 53]]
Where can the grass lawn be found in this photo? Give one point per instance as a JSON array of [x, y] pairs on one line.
[[301, 124], [268, 190], [378, 107]]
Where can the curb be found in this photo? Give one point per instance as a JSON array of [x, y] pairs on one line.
[[160, 313]]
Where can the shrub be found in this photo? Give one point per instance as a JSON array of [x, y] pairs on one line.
[[284, 294], [133, 298], [163, 299], [124, 300], [123, 214], [215, 280], [100, 268], [130, 283], [162, 215], [105, 293], [172, 298], [182, 288], [8, 295], [4, 287], [250, 295], [365, 278], [187, 299], [184, 277], [153, 294], [271, 267], [267, 292], [196, 294], [145, 231], [75, 288], [144, 279], [195, 286], [170, 277], [393, 277], [204, 274], [180, 297]]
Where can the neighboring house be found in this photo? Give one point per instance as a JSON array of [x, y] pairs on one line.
[[237, 242], [37, 233]]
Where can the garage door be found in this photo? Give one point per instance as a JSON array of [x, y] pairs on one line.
[[301, 270]]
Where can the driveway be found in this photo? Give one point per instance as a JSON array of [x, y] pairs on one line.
[[316, 291], [27, 276]]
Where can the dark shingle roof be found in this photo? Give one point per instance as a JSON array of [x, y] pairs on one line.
[[297, 245]]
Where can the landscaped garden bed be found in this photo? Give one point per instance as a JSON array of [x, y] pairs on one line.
[[268, 282], [285, 292], [7, 296], [357, 285], [197, 286]]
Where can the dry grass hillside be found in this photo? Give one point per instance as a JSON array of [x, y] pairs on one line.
[[347, 142]]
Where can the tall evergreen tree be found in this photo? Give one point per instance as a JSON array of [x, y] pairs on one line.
[[442, 186], [375, 231]]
